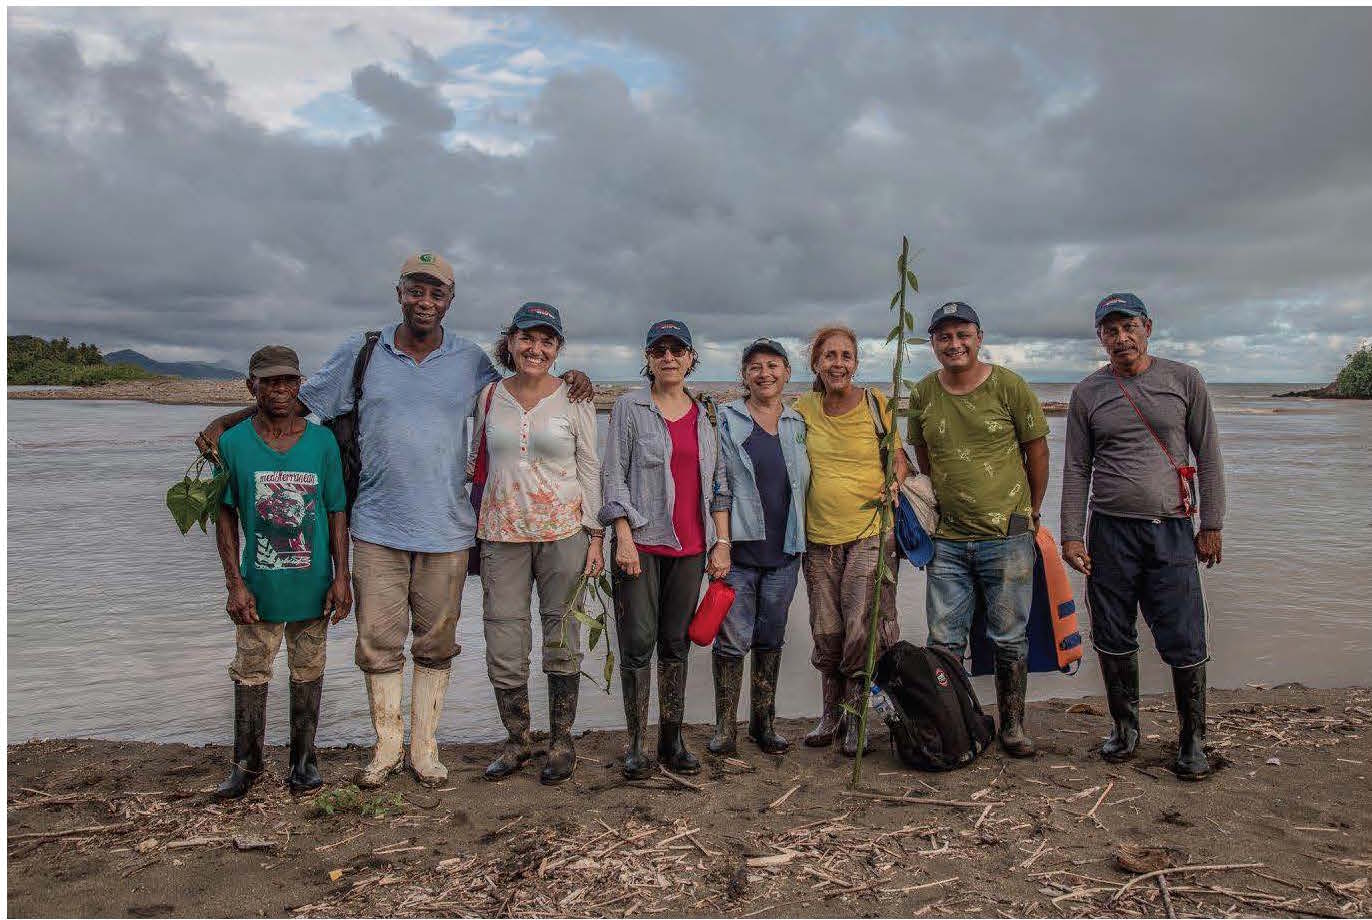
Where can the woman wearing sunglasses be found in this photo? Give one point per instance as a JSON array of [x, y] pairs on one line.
[[667, 497]]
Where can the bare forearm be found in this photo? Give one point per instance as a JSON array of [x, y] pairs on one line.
[[226, 541], [338, 542], [721, 519], [1036, 467]]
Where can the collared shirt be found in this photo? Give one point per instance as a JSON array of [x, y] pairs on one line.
[[636, 476], [543, 483], [746, 519], [412, 434]]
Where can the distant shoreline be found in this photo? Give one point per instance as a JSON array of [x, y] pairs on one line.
[[177, 391]]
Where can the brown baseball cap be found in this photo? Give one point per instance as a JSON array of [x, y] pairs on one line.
[[274, 361], [428, 263]]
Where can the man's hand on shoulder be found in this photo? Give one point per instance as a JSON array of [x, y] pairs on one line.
[[1209, 547], [579, 387]]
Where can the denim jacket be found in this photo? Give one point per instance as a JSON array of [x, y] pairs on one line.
[[636, 475], [745, 518]]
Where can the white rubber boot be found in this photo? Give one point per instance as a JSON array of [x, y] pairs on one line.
[[426, 705], [383, 694]]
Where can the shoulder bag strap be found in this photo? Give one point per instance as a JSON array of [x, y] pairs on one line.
[[364, 357], [480, 470], [1184, 473]]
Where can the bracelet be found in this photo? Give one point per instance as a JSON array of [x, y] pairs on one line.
[[724, 541]]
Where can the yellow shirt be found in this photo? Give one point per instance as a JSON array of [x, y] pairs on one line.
[[845, 470]]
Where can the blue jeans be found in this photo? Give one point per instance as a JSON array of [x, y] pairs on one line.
[[1000, 571], [757, 618]]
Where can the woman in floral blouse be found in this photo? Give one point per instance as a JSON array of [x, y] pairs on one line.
[[537, 525]]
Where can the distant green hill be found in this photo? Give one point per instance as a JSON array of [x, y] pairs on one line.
[[56, 362], [195, 370]]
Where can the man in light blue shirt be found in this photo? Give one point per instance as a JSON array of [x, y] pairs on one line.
[[411, 522]]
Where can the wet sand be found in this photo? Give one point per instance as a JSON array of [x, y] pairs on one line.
[[127, 829]]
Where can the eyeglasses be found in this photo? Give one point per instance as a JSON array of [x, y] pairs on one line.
[[661, 349]]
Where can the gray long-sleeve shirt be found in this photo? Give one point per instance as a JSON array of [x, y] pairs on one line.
[[1111, 455]]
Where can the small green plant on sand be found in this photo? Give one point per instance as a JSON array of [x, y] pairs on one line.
[[349, 800], [589, 604]]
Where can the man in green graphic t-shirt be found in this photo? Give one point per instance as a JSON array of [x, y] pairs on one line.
[[286, 491], [980, 434]]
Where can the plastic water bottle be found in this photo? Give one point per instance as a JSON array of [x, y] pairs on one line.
[[881, 704]]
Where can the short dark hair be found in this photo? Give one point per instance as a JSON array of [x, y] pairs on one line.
[[695, 362], [502, 345]]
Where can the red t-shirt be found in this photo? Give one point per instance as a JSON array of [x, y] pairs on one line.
[[687, 522]]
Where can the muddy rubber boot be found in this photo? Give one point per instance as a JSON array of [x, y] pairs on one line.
[[249, 733], [851, 723], [636, 683], [304, 775], [762, 696], [563, 690], [384, 692], [429, 687], [671, 708], [822, 735], [514, 715], [1012, 680], [728, 677], [1121, 674], [1189, 686]]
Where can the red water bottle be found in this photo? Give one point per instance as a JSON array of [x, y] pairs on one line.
[[719, 597]]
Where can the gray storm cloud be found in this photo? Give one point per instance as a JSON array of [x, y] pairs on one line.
[[1217, 162]]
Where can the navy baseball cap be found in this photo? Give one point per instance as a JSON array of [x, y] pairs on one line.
[[668, 328], [1127, 304], [769, 345], [534, 314], [956, 310]]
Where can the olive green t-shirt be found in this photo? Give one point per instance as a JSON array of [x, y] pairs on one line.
[[974, 448]]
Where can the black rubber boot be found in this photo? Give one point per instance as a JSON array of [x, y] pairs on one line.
[[851, 723], [636, 683], [304, 775], [249, 731], [1121, 674], [728, 671], [563, 690], [671, 708], [514, 715], [822, 735], [1189, 686], [762, 695], [1012, 680]]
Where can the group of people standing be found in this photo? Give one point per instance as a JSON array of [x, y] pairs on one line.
[[752, 492]]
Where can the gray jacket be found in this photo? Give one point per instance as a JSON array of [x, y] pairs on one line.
[[636, 475]]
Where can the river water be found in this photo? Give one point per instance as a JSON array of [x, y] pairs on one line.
[[116, 625]]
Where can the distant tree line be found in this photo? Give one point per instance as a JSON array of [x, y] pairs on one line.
[[56, 362]]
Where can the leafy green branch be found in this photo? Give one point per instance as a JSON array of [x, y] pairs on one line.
[[195, 500], [589, 604]]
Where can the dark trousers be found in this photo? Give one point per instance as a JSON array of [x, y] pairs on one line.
[[1146, 564], [655, 608]]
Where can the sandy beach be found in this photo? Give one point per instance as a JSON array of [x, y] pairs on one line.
[[1284, 828]]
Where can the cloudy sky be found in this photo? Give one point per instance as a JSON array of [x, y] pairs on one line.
[[196, 182]]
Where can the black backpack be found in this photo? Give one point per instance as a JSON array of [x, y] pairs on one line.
[[344, 427], [939, 724]]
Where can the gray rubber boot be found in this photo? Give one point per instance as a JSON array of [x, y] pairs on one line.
[[728, 671], [514, 715], [851, 724], [1012, 681], [671, 707], [636, 682], [1189, 687], [822, 735], [1121, 674], [762, 695], [563, 690]]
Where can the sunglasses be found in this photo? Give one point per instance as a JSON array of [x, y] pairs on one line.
[[661, 349]]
